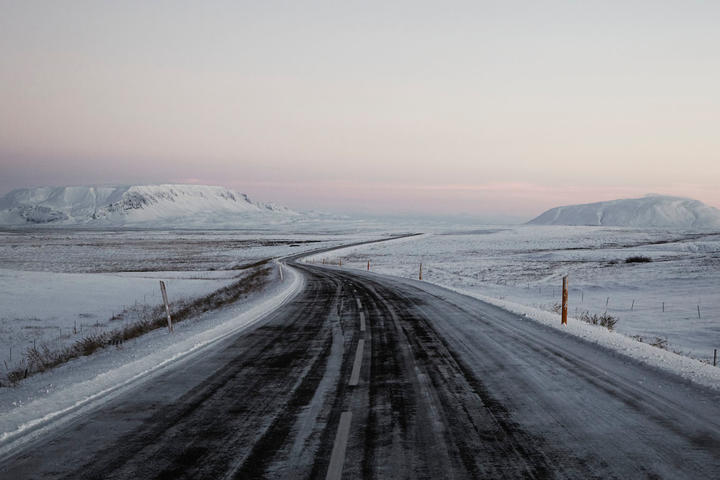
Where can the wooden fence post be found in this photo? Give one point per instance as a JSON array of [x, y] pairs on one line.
[[420, 277], [167, 306], [368, 265], [564, 300]]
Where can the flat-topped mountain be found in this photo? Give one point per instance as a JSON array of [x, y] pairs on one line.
[[137, 205], [651, 211]]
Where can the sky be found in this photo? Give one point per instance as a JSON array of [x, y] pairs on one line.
[[502, 108]]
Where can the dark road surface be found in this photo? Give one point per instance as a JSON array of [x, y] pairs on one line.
[[362, 376]]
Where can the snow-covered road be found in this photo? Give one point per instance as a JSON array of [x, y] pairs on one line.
[[365, 376]]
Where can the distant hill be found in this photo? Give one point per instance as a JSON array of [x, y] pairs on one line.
[[650, 211], [170, 206]]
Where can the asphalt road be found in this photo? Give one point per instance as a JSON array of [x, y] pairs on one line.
[[363, 376]]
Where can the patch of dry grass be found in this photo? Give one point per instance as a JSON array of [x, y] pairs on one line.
[[41, 358]]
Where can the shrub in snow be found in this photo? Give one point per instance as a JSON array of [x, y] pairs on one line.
[[604, 320], [638, 259]]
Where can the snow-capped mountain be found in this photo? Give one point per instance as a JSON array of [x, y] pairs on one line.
[[651, 211], [138, 205]]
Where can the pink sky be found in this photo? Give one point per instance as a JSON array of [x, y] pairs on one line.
[[511, 199], [470, 107]]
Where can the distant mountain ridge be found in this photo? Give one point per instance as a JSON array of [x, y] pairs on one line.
[[142, 205], [651, 211]]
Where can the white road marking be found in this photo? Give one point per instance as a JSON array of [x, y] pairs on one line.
[[337, 458], [358, 302], [355, 375], [362, 322]]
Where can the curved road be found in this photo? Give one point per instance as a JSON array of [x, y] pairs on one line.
[[364, 376]]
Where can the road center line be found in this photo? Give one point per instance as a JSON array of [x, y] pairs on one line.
[[337, 458], [355, 375], [358, 302], [362, 322]]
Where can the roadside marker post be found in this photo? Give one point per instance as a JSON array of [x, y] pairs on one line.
[[420, 277], [564, 300], [167, 306], [368, 265], [715, 357]]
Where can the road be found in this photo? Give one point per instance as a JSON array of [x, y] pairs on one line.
[[364, 376]]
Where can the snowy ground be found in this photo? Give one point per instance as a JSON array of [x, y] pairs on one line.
[[62, 393], [93, 251], [57, 287], [58, 308], [525, 265]]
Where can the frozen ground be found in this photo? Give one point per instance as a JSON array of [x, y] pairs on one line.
[[58, 286], [58, 308], [65, 391], [93, 251], [525, 265]]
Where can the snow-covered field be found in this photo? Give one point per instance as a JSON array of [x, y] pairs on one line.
[[674, 298], [63, 393], [59, 286]]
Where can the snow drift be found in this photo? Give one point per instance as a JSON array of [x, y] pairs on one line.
[[651, 211], [138, 205]]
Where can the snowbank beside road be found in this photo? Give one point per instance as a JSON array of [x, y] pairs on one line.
[[55, 397], [693, 370]]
